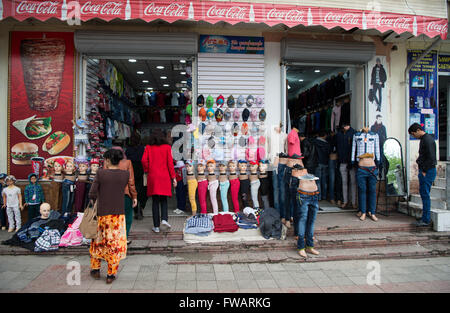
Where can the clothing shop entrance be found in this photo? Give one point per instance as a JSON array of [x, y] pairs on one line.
[[133, 91], [325, 83], [444, 118]]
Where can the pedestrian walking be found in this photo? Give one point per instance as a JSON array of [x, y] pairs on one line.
[[427, 169], [134, 153], [108, 189]]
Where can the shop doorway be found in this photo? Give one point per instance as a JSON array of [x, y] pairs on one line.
[[312, 93], [130, 98], [444, 131]]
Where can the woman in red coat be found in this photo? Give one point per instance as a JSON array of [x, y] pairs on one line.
[[157, 162]]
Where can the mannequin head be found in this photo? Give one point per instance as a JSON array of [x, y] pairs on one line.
[[263, 166], [189, 166], [242, 166], [253, 167], [232, 166], [95, 165], [211, 165], [201, 167], [222, 167], [58, 166], [69, 168], [45, 210]]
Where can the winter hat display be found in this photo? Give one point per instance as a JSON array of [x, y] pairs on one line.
[[245, 115], [262, 115], [259, 101], [227, 115], [236, 115], [210, 113], [209, 102], [211, 142], [220, 101], [255, 129], [230, 101], [200, 101], [218, 130], [244, 128], [240, 101], [203, 126], [250, 100], [189, 109], [235, 129], [219, 115], [228, 128], [242, 141], [202, 114], [254, 115]]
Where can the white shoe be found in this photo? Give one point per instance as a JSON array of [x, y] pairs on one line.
[[163, 222], [155, 229], [177, 211]]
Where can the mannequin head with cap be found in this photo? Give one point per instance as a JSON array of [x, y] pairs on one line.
[[253, 167], [201, 167], [263, 164], [189, 167], [242, 166], [211, 165], [232, 166], [222, 167]]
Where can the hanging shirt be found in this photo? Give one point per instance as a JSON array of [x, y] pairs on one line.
[[276, 143], [335, 117], [365, 143], [293, 143], [175, 97]]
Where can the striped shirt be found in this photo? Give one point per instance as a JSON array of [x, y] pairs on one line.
[[365, 143]]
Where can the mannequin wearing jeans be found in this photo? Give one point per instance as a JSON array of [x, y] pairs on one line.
[[283, 159], [192, 185], [308, 205], [254, 183], [244, 188], [68, 189], [224, 186], [293, 186], [202, 186], [235, 184], [213, 185], [366, 148], [265, 182]]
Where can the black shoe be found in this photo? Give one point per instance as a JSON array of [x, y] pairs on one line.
[[110, 279], [421, 224], [95, 274]]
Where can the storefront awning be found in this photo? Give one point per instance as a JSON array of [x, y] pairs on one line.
[[225, 11]]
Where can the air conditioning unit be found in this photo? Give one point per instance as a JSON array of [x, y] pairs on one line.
[[441, 220]]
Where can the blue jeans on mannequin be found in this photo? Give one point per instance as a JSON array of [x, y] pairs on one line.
[[425, 183], [288, 211], [68, 188], [308, 207], [366, 178], [294, 201], [322, 173], [282, 187], [276, 191], [331, 178]]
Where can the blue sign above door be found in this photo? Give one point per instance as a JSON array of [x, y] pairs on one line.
[[231, 44]]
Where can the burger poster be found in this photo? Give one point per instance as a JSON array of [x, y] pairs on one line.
[[41, 98]]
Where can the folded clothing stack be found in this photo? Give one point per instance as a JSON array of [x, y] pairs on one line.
[[247, 221], [224, 223], [200, 225]]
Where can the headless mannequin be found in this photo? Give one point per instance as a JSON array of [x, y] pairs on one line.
[[245, 183], [192, 187], [265, 184], [202, 187], [224, 186], [254, 184], [235, 184], [213, 184]]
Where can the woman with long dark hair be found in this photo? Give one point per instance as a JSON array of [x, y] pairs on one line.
[[108, 189], [157, 162]]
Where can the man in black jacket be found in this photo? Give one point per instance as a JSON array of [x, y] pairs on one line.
[[427, 169], [377, 80], [344, 140], [309, 153], [323, 153]]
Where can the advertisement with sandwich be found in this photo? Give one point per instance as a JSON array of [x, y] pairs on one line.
[[41, 98]]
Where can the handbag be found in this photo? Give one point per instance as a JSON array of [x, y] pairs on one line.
[[89, 223]]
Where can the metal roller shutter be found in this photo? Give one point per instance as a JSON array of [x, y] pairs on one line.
[[124, 44], [327, 51]]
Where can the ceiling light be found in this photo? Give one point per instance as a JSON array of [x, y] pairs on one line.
[[145, 81], [182, 61], [163, 77], [184, 82], [140, 72], [160, 67], [166, 85], [132, 60], [149, 88], [183, 89], [317, 71], [289, 87], [183, 73], [300, 80]]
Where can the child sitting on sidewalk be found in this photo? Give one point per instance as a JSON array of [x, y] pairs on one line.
[[12, 200]]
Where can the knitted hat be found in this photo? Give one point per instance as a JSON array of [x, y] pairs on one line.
[[250, 100], [244, 128], [255, 129], [62, 162], [3, 175], [259, 101], [251, 141], [219, 115], [202, 114], [245, 115], [218, 130], [242, 142], [262, 115], [189, 109], [179, 164], [235, 129], [220, 101], [261, 141], [253, 115], [230, 101], [236, 115], [228, 129], [200, 100], [240, 101], [209, 101], [203, 126], [93, 161], [227, 115], [210, 113], [211, 143]]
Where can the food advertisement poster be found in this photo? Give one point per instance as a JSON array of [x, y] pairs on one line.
[[423, 108], [41, 100], [231, 44]]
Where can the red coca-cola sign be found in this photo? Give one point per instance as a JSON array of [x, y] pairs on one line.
[[37, 7], [294, 15], [172, 10], [396, 22], [233, 12], [102, 8], [437, 28], [341, 18]]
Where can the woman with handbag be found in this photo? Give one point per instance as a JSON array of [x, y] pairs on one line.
[[108, 189], [158, 165]]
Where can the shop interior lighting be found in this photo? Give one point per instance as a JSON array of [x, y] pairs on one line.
[[166, 85], [183, 73], [289, 87], [300, 80], [132, 60], [182, 61], [317, 71], [184, 82], [140, 72], [145, 81], [160, 67], [163, 77], [149, 88]]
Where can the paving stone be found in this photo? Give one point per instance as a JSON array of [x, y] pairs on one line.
[[166, 276], [202, 268], [206, 276], [186, 285], [146, 276], [240, 268], [186, 276], [165, 285], [258, 267], [267, 283], [227, 285], [276, 267], [140, 285], [323, 282], [206, 284], [247, 284], [286, 283], [224, 276], [186, 268], [223, 268], [247, 275]]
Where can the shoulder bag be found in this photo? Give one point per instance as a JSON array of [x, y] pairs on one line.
[[89, 223]]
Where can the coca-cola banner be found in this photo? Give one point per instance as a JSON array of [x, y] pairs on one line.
[[224, 11], [41, 99]]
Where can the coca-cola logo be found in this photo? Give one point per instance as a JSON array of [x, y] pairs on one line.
[[398, 22], [107, 8], [32, 7], [341, 18], [286, 15], [173, 9], [235, 12], [436, 27]]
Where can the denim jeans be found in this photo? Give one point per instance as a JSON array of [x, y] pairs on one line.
[[67, 196], [338, 185], [276, 191], [294, 202], [282, 187], [425, 183], [322, 173], [288, 209], [308, 207], [366, 178], [180, 192], [331, 177]]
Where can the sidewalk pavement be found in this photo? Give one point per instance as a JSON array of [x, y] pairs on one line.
[[153, 274]]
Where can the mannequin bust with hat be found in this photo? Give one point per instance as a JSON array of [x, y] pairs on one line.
[[69, 171], [234, 185], [254, 183], [202, 186], [224, 185], [95, 165], [213, 184], [265, 183], [58, 166], [192, 185], [244, 181]]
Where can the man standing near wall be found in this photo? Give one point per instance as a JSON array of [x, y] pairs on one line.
[[427, 169]]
